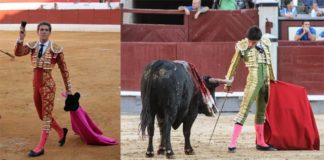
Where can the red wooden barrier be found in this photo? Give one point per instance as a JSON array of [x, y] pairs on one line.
[[212, 26], [211, 58], [221, 26], [303, 65], [61, 16], [135, 56]]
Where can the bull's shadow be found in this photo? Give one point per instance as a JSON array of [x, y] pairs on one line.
[[174, 93]]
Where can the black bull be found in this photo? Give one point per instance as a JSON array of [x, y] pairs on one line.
[[168, 91]]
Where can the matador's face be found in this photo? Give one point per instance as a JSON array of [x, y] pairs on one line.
[[43, 33], [252, 43]]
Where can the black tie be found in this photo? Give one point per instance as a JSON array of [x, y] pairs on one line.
[[40, 52]]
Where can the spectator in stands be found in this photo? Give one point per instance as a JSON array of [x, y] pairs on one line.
[[306, 33], [196, 6], [290, 11], [227, 4], [316, 12], [302, 8]]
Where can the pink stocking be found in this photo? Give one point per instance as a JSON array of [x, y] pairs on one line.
[[41, 142], [259, 131], [236, 132], [57, 128]]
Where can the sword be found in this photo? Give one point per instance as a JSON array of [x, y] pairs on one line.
[[8, 54], [218, 117]]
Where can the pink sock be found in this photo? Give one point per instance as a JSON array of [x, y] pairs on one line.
[[41, 142], [259, 131], [236, 132], [57, 128]]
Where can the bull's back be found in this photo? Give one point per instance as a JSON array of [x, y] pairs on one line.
[[158, 77]]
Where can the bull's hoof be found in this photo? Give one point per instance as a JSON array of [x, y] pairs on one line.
[[149, 154], [189, 151], [170, 154], [161, 151]]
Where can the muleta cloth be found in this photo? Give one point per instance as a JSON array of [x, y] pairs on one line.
[[290, 123], [83, 125]]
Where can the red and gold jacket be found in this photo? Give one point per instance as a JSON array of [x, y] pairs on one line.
[[53, 54]]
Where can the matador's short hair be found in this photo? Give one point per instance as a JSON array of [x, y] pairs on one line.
[[44, 24], [254, 33]]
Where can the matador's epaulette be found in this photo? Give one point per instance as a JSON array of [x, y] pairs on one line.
[[242, 45], [56, 48], [32, 45], [266, 41]]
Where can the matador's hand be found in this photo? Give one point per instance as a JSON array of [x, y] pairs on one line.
[[227, 88]]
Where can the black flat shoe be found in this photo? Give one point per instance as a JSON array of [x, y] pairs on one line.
[[62, 141], [268, 148], [231, 150], [35, 154]]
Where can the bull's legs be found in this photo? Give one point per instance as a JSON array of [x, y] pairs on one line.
[[167, 134], [187, 124], [162, 143], [150, 130]]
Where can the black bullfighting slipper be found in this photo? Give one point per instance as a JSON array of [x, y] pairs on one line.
[[62, 141], [35, 154], [231, 150], [268, 148]]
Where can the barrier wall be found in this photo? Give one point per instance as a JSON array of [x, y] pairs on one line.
[[61, 16], [302, 64], [207, 42], [213, 26], [210, 58]]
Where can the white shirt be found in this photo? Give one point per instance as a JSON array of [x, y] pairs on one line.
[[44, 47]]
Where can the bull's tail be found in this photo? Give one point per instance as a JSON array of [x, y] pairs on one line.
[[146, 86]]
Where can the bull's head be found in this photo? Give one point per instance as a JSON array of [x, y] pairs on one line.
[[209, 110]]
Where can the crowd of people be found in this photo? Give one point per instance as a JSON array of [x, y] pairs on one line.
[[313, 8]]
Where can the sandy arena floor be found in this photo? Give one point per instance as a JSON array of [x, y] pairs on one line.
[[93, 60], [133, 147]]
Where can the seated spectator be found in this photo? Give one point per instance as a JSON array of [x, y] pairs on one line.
[[196, 6], [227, 5], [302, 8], [290, 11], [306, 33], [316, 12]]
